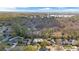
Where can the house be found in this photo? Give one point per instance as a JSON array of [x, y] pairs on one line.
[[36, 40], [27, 41]]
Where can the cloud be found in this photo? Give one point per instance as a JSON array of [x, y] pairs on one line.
[[42, 9], [7, 9], [39, 3], [45, 9]]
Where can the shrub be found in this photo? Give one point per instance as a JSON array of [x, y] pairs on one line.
[[30, 48], [44, 43]]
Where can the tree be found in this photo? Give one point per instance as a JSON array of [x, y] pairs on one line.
[[20, 30]]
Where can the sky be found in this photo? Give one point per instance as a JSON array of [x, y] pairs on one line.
[[39, 5], [47, 9], [40, 9]]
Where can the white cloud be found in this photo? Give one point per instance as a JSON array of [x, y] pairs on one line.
[[39, 3], [7, 9], [45, 9]]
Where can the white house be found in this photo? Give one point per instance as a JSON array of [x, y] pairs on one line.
[[36, 40]]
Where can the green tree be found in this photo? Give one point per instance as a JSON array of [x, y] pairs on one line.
[[20, 30]]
